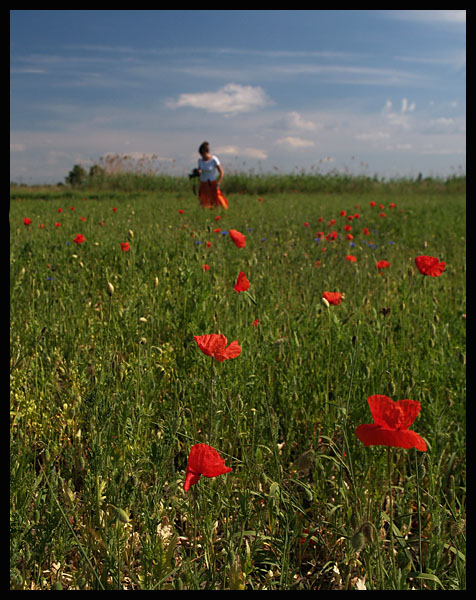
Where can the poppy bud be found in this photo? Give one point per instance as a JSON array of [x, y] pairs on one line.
[[325, 302], [358, 541], [110, 289], [121, 515]]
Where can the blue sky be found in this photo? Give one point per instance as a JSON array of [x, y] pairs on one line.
[[366, 92]]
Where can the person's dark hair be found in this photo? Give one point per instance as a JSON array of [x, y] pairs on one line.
[[204, 147]]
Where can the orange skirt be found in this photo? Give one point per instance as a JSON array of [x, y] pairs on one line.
[[211, 195]]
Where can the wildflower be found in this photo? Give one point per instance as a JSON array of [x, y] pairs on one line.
[[373, 203], [60, 210], [203, 460], [125, 247], [217, 218], [109, 289], [238, 238], [306, 224], [366, 231], [348, 228], [114, 209], [242, 283], [79, 239], [382, 264], [351, 258], [205, 268], [391, 423], [27, 221], [342, 213], [57, 224], [255, 323], [181, 211], [334, 298], [382, 214], [214, 345], [429, 265], [71, 208]]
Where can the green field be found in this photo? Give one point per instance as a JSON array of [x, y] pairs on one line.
[[109, 390]]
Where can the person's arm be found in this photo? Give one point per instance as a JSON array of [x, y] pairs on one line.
[[220, 170]]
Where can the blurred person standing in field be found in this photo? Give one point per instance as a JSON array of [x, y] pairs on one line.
[[209, 192]]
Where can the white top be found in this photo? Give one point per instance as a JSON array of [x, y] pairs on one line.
[[208, 168]]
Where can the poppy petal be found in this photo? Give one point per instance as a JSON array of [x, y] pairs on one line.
[[374, 435], [394, 415], [204, 460]]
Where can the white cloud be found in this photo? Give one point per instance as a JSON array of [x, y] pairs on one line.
[[293, 120], [295, 142], [231, 99], [406, 107], [227, 150], [256, 153]]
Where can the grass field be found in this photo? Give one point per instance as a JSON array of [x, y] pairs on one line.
[[109, 390]]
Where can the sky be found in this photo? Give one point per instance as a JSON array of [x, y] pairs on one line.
[[368, 92]]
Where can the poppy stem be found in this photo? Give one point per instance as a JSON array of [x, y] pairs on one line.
[[210, 433], [389, 474], [418, 509]]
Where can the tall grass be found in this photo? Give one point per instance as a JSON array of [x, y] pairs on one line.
[[109, 392]]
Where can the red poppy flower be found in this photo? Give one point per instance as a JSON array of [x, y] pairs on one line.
[[306, 224], [383, 264], [238, 238], [342, 213], [79, 239], [71, 208], [391, 423], [205, 268], [125, 246], [82, 219], [27, 221], [217, 218], [214, 345], [203, 460], [350, 236], [60, 210], [58, 224], [242, 283], [348, 228], [366, 231], [114, 209], [255, 323], [351, 258], [181, 211], [334, 298], [373, 203], [429, 265]]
